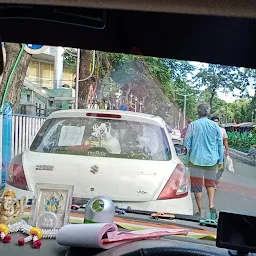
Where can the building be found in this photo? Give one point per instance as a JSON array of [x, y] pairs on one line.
[[48, 85], [43, 68]]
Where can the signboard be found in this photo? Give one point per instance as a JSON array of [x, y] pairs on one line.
[[35, 48], [124, 107]]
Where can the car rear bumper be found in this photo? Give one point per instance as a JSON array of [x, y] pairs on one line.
[[177, 206], [182, 206], [20, 192]]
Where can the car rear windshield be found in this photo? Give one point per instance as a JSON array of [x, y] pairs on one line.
[[102, 138]]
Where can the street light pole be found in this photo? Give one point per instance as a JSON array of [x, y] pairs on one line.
[[77, 78], [185, 111], [227, 113], [184, 107]]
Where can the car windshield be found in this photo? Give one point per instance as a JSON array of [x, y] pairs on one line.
[[155, 135]]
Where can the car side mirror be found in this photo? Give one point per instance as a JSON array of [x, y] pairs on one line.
[[180, 149]]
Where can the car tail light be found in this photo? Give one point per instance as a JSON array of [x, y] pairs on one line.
[[177, 185], [103, 115], [15, 174]]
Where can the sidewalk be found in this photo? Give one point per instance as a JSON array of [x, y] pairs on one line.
[[242, 157]]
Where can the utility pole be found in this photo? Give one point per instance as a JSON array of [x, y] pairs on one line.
[[184, 107], [77, 78], [227, 113], [253, 112]]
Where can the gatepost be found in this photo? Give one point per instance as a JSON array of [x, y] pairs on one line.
[[6, 140]]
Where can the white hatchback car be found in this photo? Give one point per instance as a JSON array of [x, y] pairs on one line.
[[126, 156], [176, 135]]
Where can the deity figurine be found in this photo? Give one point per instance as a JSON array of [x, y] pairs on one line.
[[11, 209]]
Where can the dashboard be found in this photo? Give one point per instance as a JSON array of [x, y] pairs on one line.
[[200, 38], [163, 246]]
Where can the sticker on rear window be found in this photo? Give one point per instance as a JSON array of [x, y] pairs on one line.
[[71, 135]]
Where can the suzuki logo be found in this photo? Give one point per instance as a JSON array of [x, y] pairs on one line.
[[94, 169]]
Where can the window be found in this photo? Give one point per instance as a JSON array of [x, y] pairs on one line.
[[102, 138]]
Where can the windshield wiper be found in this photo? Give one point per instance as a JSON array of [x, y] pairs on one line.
[[177, 216]]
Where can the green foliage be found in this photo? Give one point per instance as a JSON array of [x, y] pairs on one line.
[[180, 69], [217, 103], [251, 74], [241, 141], [120, 59], [217, 77], [69, 59], [181, 76], [162, 73], [241, 110], [238, 111], [182, 87], [170, 75]]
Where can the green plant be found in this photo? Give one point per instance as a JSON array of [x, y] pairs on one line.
[[241, 141]]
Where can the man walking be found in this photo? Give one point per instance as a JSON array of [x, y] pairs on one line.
[[184, 130], [225, 143], [204, 144]]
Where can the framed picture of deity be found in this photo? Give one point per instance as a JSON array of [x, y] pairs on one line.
[[51, 205]]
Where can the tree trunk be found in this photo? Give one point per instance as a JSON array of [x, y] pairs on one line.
[[211, 100], [84, 72], [107, 66], [14, 91]]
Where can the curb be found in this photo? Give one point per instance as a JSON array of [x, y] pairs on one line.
[[242, 157]]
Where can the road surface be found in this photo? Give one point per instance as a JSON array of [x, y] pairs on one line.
[[237, 191]]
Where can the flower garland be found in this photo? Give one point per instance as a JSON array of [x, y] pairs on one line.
[[25, 228]]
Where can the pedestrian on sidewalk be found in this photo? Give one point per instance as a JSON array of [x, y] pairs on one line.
[[205, 146], [225, 144], [184, 130]]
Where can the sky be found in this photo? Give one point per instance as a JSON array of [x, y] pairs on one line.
[[228, 97]]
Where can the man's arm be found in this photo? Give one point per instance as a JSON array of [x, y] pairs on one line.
[[225, 142], [183, 133], [220, 145], [188, 138]]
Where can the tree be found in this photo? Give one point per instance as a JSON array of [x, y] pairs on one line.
[[119, 69], [169, 75], [14, 92], [251, 74], [182, 87], [240, 109], [180, 69], [252, 107], [85, 80], [217, 103], [173, 77], [217, 77], [69, 59]]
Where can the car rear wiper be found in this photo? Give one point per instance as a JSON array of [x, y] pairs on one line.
[[177, 216]]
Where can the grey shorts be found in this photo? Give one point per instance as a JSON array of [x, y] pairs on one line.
[[200, 175]]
